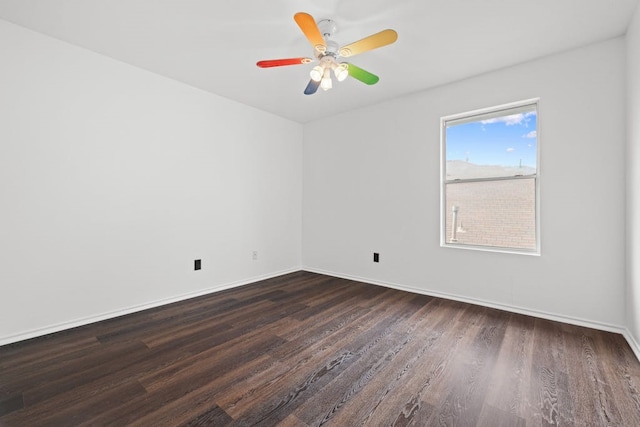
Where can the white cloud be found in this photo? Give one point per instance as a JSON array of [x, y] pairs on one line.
[[513, 119], [531, 134], [510, 150]]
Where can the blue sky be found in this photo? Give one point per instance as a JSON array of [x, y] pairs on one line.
[[500, 141]]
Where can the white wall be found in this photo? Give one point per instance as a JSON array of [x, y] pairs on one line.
[[374, 186], [633, 179], [113, 180]]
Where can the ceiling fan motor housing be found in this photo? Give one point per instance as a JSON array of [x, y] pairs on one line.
[[327, 27], [332, 49]]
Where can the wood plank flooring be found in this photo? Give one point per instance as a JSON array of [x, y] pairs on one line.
[[310, 350]]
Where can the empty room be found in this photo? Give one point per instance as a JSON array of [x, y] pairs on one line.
[[337, 212]]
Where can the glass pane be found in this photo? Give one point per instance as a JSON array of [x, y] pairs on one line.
[[492, 146], [492, 213]]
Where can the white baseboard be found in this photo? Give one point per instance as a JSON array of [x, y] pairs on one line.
[[632, 342], [133, 309], [635, 347], [513, 309]]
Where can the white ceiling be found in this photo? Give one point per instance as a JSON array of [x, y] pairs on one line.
[[214, 45]]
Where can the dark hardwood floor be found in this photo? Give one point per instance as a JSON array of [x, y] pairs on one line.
[[309, 350]]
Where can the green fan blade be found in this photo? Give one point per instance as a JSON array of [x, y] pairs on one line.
[[363, 75]]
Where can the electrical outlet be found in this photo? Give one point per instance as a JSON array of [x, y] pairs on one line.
[[197, 264], [376, 257], [254, 255]]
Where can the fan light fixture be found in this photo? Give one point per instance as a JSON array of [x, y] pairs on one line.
[[327, 51], [326, 82], [316, 73], [341, 71], [322, 73]]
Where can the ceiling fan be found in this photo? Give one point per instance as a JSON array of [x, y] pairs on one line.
[[327, 52]]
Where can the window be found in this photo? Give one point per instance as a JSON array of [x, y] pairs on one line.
[[490, 179]]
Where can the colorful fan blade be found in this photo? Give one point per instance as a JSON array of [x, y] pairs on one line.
[[308, 26], [374, 41], [280, 62], [312, 87], [362, 75]]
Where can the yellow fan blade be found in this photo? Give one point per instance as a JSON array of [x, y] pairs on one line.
[[374, 41], [308, 26]]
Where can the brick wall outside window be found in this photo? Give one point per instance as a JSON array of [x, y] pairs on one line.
[[493, 213]]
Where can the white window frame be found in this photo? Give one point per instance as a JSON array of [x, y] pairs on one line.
[[476, 115]]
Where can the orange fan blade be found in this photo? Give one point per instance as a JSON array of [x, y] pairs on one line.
[[374, 41], [280, 62], [308, 26]]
